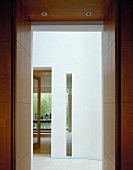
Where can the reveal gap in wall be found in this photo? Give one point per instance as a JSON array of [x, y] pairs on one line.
[[68, 114]]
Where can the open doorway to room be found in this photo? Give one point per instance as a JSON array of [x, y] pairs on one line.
[[78, 55], [42, 114]]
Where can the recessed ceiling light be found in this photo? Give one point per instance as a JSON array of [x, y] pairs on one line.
[[88, 14], [44, 14]]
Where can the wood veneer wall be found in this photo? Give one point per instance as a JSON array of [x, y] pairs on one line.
[[5, 85], [109, 90], [23, 89], [127, 84]]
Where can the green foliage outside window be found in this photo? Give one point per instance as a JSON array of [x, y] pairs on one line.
[[45, 105], [46, 100]]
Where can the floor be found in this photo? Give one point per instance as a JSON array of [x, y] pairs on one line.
[[45, 162], [46, 144], [42, 159]]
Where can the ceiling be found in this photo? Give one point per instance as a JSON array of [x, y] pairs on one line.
[[66, 10]]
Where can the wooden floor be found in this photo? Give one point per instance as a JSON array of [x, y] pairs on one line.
[[46, 145]]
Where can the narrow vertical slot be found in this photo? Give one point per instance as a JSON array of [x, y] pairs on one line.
[[69, 115]]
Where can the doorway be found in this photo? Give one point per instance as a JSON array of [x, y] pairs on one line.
[[42, 114], [74, 53]]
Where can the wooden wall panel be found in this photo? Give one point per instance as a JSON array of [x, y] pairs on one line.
[[127, 67], [24, 164], [109, 27], [5, 85], [23, 75], [23, 89], [126, 20], [109, 75], [108, 164], [23, 29], [5, 72], [23, 119], [109, 90], [23, 72], [5, 21], [127, 84], [127, 134], [109, 132]]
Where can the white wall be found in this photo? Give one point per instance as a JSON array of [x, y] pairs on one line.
[[78, 53]]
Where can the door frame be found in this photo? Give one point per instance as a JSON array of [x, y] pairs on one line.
[[37, 144]]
